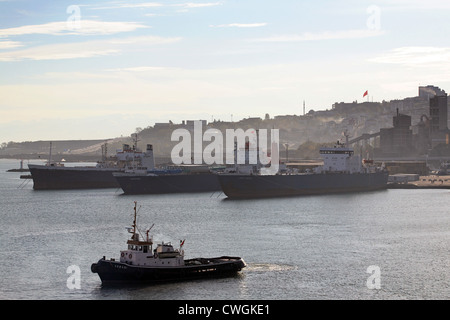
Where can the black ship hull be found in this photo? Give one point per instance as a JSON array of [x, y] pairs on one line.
[[56, 178], [237, 186], [168, 183], [111, 271]]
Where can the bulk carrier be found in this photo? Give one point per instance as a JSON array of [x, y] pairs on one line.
[[179, 179], [130, 169], [342, 171], [55, 176]]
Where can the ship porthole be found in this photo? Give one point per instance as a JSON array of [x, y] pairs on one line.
[[130, 256], [122, 254]]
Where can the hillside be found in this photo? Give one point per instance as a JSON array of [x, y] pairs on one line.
[[315, 128], [70, 150]]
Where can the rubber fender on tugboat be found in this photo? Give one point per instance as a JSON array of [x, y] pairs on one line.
[[94, 268]]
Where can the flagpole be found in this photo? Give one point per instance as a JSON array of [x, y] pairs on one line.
[[366, 94]]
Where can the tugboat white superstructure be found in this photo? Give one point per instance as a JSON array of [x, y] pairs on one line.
[[140, 263]]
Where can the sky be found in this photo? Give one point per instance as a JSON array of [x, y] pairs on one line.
[[97, 70]]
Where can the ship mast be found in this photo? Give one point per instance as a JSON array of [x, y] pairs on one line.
[[50, 155], [136, 232], [135, 141], [134, 221], [347, 136], [135, 148], [134, 236]]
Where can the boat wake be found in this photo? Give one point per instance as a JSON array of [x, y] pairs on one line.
[[269, 267]]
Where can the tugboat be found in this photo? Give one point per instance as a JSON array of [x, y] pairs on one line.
[[140, 263]]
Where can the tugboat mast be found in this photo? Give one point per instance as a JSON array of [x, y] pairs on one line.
[[135, 231], [134, 221]]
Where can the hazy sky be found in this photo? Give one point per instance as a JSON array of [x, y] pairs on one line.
[[85, 69]]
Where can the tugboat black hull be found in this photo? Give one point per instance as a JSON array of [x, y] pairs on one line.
[[111, 271]]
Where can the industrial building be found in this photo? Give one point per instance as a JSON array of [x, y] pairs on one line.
[[397, 140], [432, 130], [438, 119]]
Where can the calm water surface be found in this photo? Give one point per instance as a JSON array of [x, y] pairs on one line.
[[313, 247]]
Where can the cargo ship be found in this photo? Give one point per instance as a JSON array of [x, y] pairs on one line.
[[141, 264], [56, 176], [342, 171], [180, 179]]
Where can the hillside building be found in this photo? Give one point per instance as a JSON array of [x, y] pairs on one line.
[[397, 141]]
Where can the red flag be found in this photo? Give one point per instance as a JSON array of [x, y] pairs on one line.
[[365, 93]]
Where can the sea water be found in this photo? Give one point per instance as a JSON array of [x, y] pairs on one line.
[[389, 244]]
